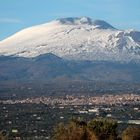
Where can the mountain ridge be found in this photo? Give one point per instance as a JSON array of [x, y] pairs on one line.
[[50, 67]]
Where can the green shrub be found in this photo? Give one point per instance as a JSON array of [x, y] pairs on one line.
[[104, 129], [75, 130], [97, 129]]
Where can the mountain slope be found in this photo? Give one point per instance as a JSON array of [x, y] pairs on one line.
[[50, 67], [75, 38]]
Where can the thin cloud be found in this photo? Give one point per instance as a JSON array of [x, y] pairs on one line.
[[10, 20], [61, 14]]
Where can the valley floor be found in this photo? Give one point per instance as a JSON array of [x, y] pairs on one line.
[[35, 118]]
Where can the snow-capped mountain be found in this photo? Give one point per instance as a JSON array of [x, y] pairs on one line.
[[74, 38]]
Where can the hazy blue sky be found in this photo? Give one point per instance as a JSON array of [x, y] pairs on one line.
[[18, 14]]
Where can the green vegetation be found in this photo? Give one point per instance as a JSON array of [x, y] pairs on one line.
[[96, 129], [103, 128], [73, 131]]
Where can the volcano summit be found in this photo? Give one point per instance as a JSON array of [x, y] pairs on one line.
[[75, 38]]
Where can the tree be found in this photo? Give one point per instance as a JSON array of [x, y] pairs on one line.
[[3, 136], [75, 130], [104, 129], [131, 133]]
